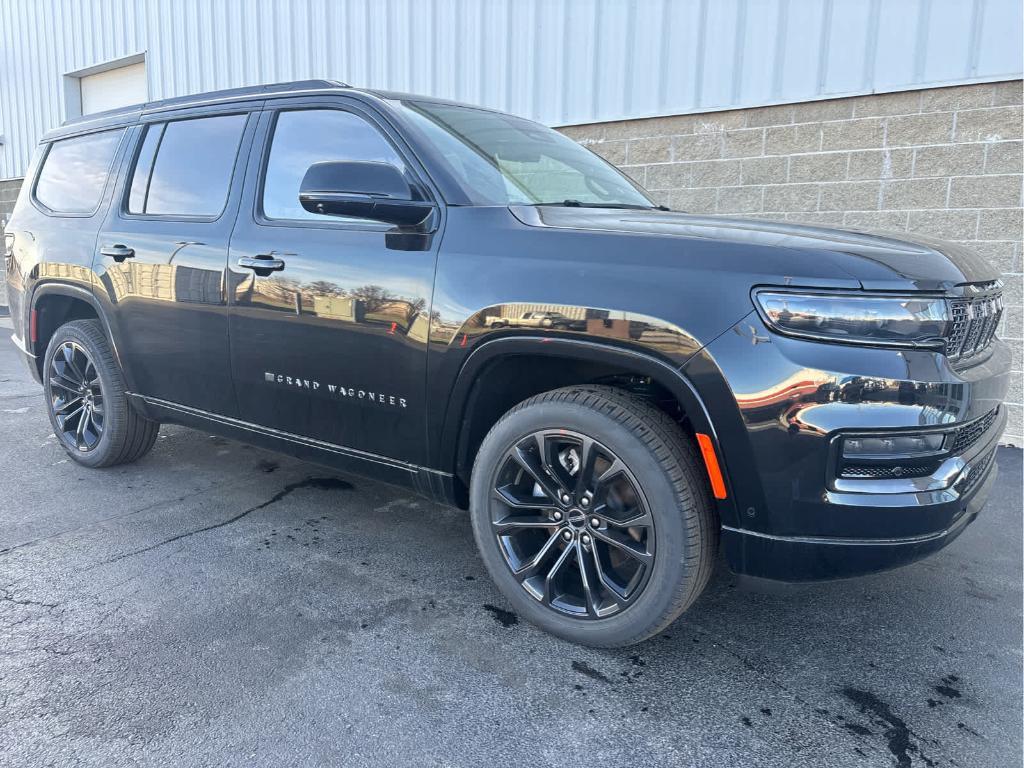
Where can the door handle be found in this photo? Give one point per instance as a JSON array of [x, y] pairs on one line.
[[262, 264], [117, 252]]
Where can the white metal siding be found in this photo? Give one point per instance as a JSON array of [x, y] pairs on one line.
[[558, 61]]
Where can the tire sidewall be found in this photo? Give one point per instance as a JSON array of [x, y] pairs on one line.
[[112, 416], [669, 522]]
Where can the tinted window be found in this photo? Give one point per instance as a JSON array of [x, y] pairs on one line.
[[184, 168], [305, 137], [75, 171]]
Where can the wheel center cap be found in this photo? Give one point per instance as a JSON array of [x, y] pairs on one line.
[[577, 519]]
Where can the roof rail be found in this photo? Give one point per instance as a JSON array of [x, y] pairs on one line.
[[251, 91]]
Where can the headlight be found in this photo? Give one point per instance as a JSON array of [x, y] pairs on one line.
[[860, 319]]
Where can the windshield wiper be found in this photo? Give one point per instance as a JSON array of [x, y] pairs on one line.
[[625, 206]]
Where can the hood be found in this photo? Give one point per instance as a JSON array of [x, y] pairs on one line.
[[879, 261]]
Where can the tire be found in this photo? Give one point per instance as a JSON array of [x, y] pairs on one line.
[[114, 433], [659, 467]]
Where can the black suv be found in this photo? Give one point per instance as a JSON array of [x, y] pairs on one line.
[[471, 305]]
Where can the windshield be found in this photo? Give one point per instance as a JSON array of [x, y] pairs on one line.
[[505, 160]]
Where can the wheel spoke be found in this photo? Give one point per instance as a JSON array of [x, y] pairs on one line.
[[80, 428], [549, 580], [508, 496], [640, 518], [609, 586], [69, 357], [62, 408], [62, 420], [519, 522], [533, 565], [534, 466], [590, 581], [614, 469], [62, 381], [624, 544], [585, 475]]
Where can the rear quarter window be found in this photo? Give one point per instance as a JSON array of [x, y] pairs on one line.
[[75, 171], [184, 167]]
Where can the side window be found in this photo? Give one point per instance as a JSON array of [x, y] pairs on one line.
[[304, 137], [184, 167], [75, 171]]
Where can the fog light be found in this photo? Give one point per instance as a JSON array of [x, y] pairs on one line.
[[893, 446]]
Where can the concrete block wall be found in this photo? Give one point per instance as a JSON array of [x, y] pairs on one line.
[[945, 162]]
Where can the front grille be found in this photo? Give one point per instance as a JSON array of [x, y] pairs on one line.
[[974, 322], [890, 472], [971, 432]]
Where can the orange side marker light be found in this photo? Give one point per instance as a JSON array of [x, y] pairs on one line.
[[707, 450]]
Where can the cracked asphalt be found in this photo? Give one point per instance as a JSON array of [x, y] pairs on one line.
[[215, 604]]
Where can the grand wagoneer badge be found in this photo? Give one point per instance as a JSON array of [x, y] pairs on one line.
[[364, 396]]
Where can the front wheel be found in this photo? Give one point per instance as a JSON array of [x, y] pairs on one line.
[[592, 516], [87, 402]]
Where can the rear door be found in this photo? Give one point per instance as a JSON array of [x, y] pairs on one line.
[[161, 256], [332, 344]]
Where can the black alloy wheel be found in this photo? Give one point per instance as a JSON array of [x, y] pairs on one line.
[[592, 515], [87, 401], [573, 525], [76, 397]]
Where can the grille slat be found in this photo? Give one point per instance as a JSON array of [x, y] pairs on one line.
[[882, 472], [974, 323], [973, 431]]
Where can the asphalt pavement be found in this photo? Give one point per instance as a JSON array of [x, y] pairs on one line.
[[215, 604]]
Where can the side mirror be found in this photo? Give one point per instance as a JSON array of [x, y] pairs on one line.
[[362, 190]]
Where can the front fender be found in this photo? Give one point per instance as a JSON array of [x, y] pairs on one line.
[[638, 361]]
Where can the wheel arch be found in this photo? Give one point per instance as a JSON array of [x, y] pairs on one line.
[[471, 410], [55, 303]]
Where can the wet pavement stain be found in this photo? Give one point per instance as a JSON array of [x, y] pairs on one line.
[[947, 689], [859, 729], [897, 732], [967, 729], [503, 617], [585, 669]]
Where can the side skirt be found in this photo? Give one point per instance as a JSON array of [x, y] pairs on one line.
[[433, 484]]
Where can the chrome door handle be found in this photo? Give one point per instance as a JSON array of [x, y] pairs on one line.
[[262, 264], [117, 252]]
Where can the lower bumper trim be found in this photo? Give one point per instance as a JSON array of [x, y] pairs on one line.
[[814, 558], [838, 542]]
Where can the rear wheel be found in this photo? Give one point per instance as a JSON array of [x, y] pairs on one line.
[[86, 399], [592, 516]]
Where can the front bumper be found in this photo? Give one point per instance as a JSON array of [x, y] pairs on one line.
[[790, 400], [818, 558]]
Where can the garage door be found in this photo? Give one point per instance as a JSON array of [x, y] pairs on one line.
[[114, 88]]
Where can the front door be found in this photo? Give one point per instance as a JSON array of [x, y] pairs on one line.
[[162, 253], [329, 341]]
